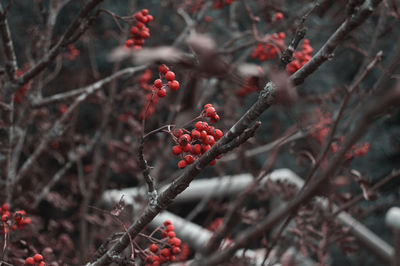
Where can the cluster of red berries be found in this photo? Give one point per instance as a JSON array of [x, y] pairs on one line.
[[37, 260], [270, 48], [165, 252], [321, 128], [250, 86], [219, 4], [169, 77], [300, 58], [355, 151], [192, 145], [157, 90], [15, 221], [140, 32], [72, 52], [19, 94]]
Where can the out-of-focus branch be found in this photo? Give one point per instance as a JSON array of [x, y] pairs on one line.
[[11, 63]]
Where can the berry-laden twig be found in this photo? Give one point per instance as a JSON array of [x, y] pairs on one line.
[[139, 32], [203, 136]]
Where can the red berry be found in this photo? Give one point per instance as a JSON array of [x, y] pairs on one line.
[[218, 134], [129, 43], [182, 164], [176, 150], [184, 139], [196, 149], [163, 69], [134, 30], [177, 132], [213, 162], [172, 258], [162, 93], [153, 248], [210, 112], [38, 257], [196, 134], [150, 18], [158, 83], [29, 261], [140, 25], [176, 250], [167, 222], [165, 252], [171, 234], [199, 126], [170, 228], [279, 16], [42, 263], [207, 106], [210, 140], [187, 148], [173, 85], [145, 12], [174, 241], [170, 76], [205, 148], [189, 159], [145, 34]]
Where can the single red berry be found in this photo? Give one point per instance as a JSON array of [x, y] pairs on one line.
[[165, 252], [167, 222], [184, 139], [153, 248], [145, 34], [158, 83], [208, 105], [182, 164], [196, 149], [140, 25], [171, 234], [218, 134], [134, 30], [27, 220], [196, 134], [279, 16], [170, 76], [210, 140], [189, 159], [176, 250], [176, 150], [162, 93], [213, 162], [199, 126], [170, 228], [29, 261], [172, 258], [177, 132], [163, 69], [38, 257], [145, 12], [187, 148], [150, 18], [173, 85], [129, 43], [42, 263], [282, 35], [203, 135], [210, 111], [205, 148]]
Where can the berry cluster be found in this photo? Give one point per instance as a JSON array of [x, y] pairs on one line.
[[140, 32], [192, 146], [355, 151], [270, 48], [20, 93], [15, 221], [72, 52], [219, 4], [37, 259], [169, 77], [300, 58], [165, 252], [157, 90]]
